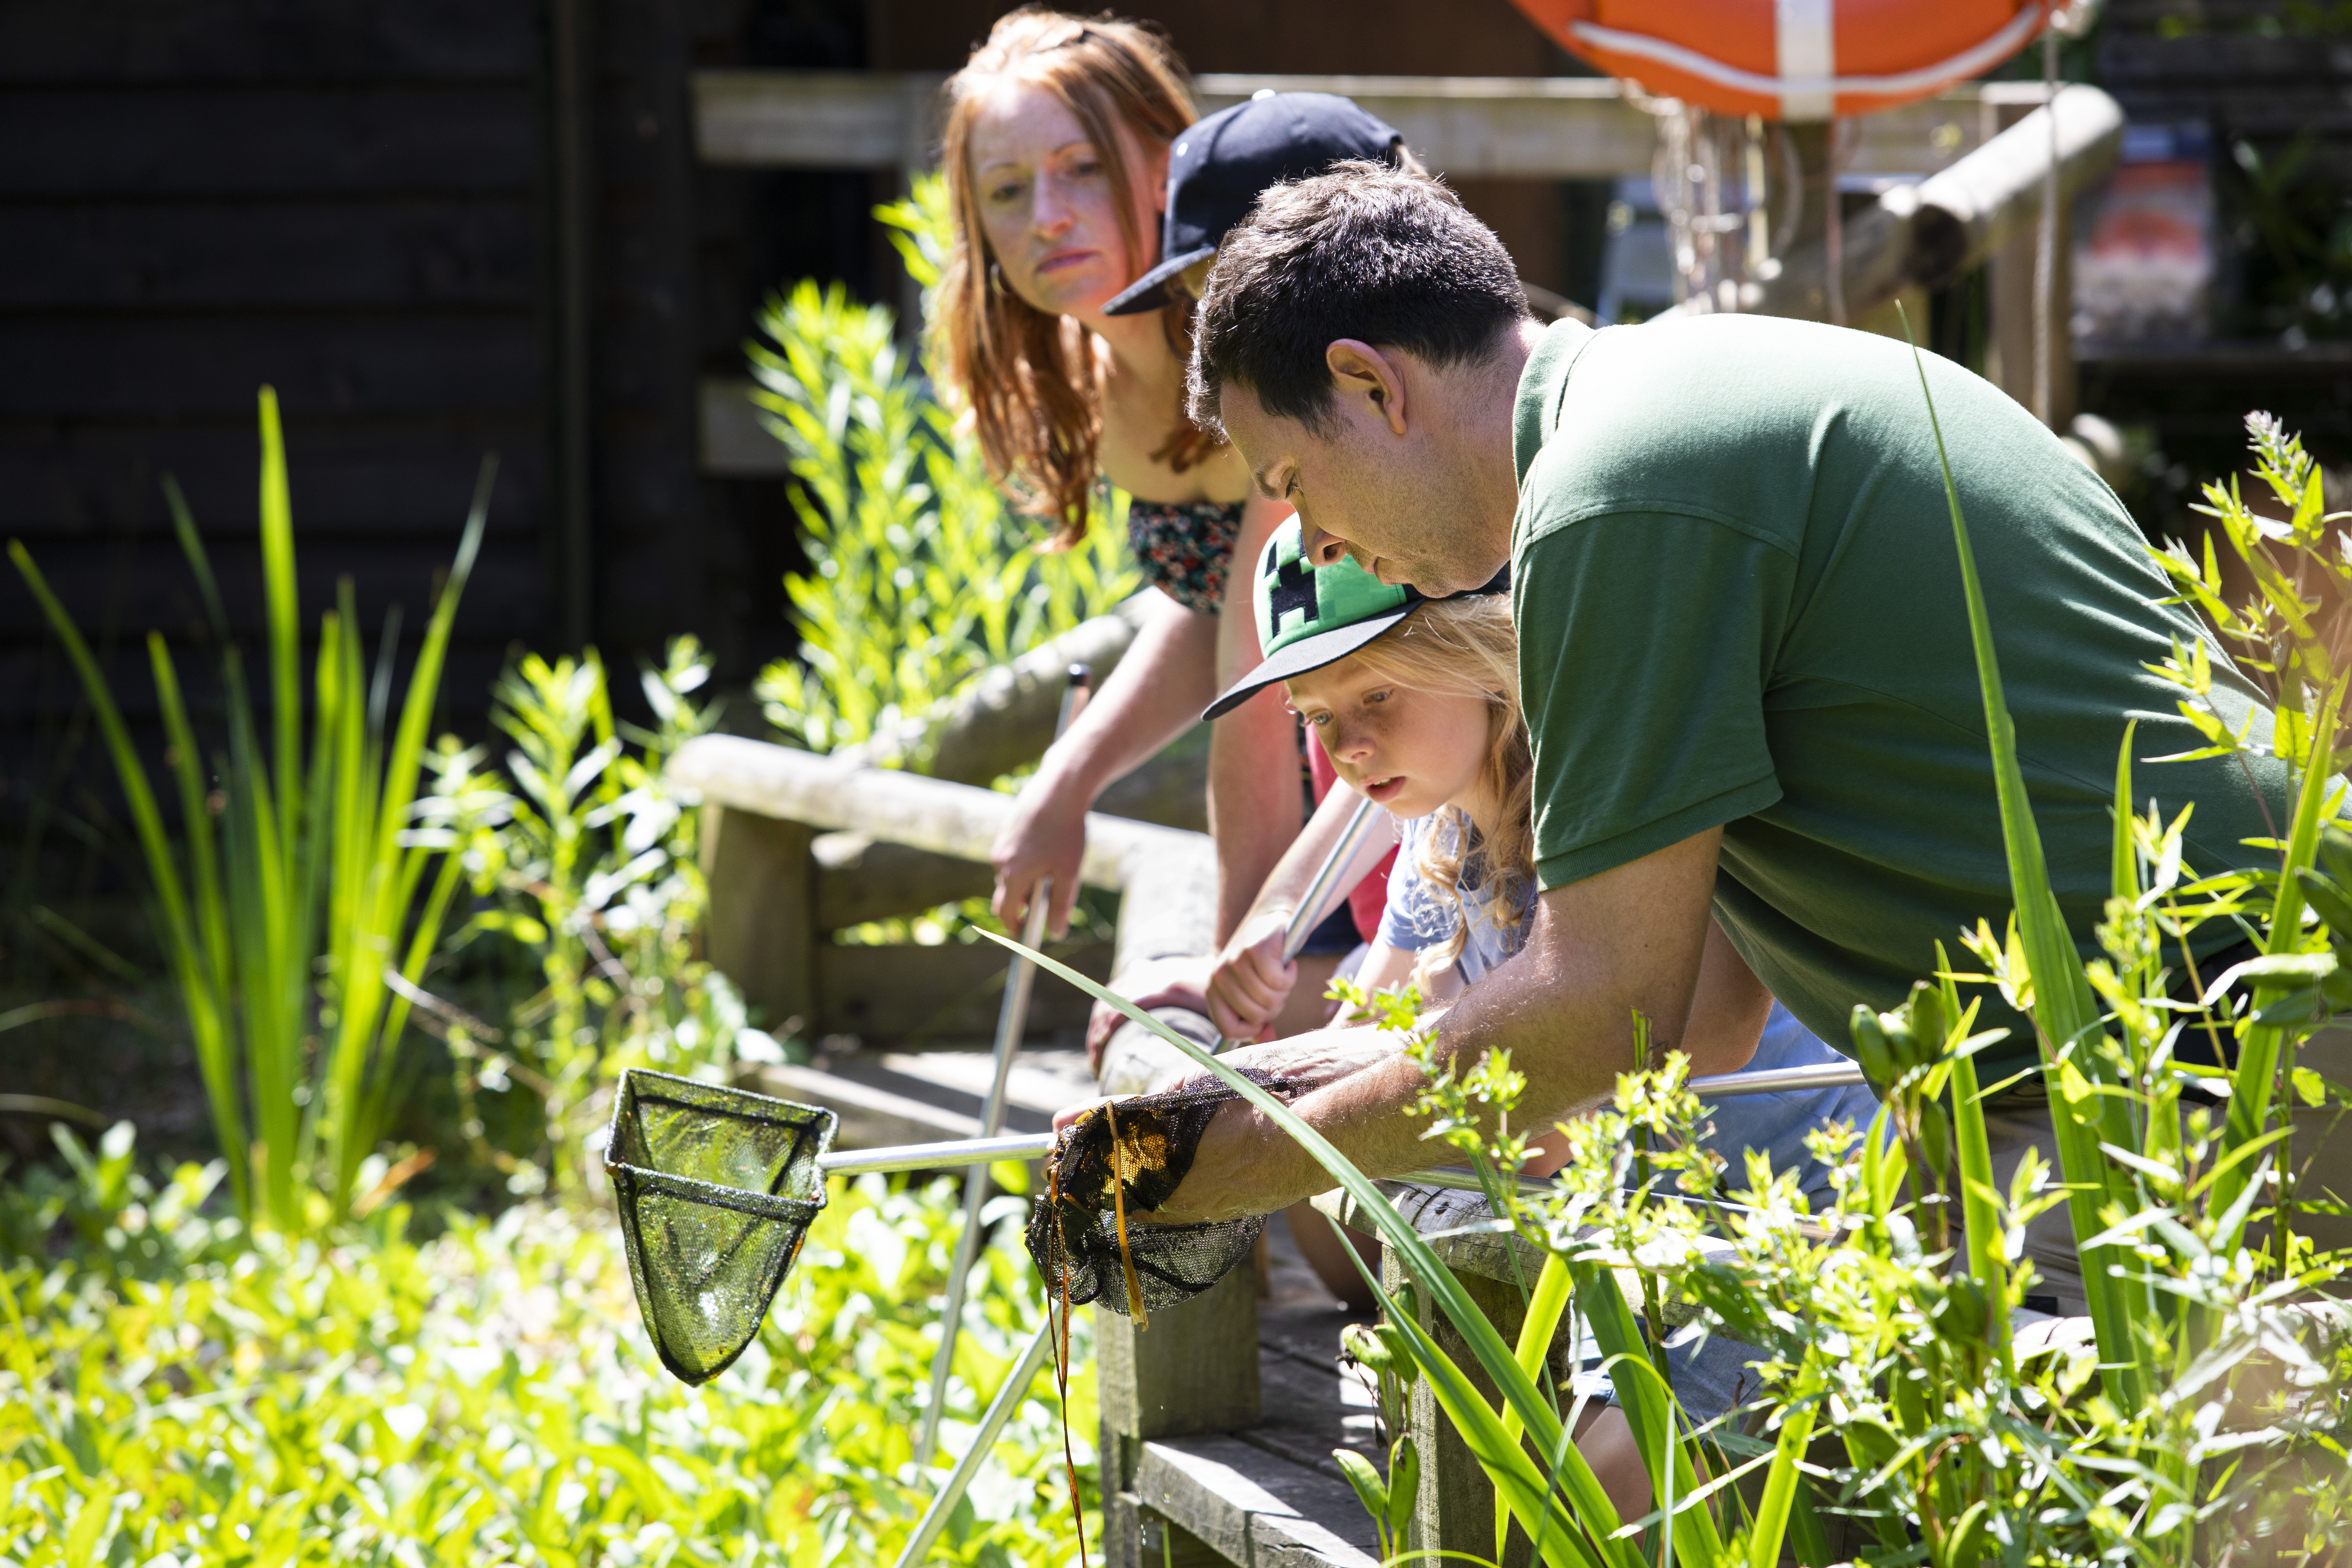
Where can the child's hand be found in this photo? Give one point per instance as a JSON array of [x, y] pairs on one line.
[[1166, 983], [1250, 981]]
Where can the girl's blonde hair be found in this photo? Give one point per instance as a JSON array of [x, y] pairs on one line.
[[1466, 647], [1027, 376]]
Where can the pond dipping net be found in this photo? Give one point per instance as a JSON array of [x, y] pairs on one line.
[[1111, 1167], [715, 1188]]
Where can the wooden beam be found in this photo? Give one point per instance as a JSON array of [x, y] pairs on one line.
[[1492, 128], [1530, 128], [761, 931], [1248, 1507], [931, 813], [1965, 212], [1932, 232], [860, 878], [815, 120]]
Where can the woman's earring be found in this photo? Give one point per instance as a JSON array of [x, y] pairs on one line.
[[996, 279]]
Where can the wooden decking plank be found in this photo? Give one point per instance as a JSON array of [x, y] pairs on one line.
[[1252, 1509], [1309, 1413]]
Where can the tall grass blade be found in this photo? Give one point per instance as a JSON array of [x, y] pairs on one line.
[[272, 986], [211, 1001], [1771, 1523], [2254, 1079], [281, 594], [1518, 1482], [181, 942], [373, 906], [1649, 1410], [1485, 1344], [2067, 1011], [1545, 1306], [192, 545], [1987, 1255]]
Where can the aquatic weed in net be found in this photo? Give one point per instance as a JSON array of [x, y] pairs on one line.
[[1129, 1156]]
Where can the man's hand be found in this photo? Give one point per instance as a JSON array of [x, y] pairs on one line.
[[1250, 981], [1311, 1061], [1163, 982]]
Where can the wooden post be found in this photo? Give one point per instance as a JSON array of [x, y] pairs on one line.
[[2009, 301], [762, 929], [1193, 1370], [1816, 188], [2009, 297], [1454, 1510]]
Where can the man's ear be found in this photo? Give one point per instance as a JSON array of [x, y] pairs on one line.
[[1368, 375]]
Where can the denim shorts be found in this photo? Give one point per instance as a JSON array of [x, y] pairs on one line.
[[1710, 1373]]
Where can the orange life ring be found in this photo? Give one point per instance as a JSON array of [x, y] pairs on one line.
[[1793, 60]]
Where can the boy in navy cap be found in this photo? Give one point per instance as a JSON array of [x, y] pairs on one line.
[[1220, 166]]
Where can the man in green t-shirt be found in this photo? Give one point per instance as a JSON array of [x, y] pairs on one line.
[[1760, 758]]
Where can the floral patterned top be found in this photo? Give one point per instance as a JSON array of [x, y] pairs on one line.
[[1184, 547]]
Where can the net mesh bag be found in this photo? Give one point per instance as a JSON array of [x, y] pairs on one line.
[[1117, 1161], [716, 1189]]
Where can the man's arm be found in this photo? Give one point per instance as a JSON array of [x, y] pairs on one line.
[[1630, 940], [1728, 1007]]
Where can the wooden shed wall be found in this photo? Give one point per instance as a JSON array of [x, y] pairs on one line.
[[341, 200], [353, 201]]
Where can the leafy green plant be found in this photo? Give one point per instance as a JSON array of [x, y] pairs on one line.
[[918, 580], [172, 1390], [581, 856], [1379, 1350], [2297, 240], [916, 585], [299, 888]]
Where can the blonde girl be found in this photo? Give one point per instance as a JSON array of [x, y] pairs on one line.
[[1416, 700]]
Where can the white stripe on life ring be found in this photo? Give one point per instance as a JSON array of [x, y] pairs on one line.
[[1805, 32], [1927, 79]]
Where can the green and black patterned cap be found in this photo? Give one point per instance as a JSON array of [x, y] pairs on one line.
[[1308, 616]]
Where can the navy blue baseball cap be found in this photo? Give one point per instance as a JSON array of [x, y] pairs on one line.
[[1220, 165]]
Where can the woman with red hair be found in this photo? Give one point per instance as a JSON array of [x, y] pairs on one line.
[[1059, 134]]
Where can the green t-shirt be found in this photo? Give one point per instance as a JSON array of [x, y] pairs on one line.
[[1739, 604]]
